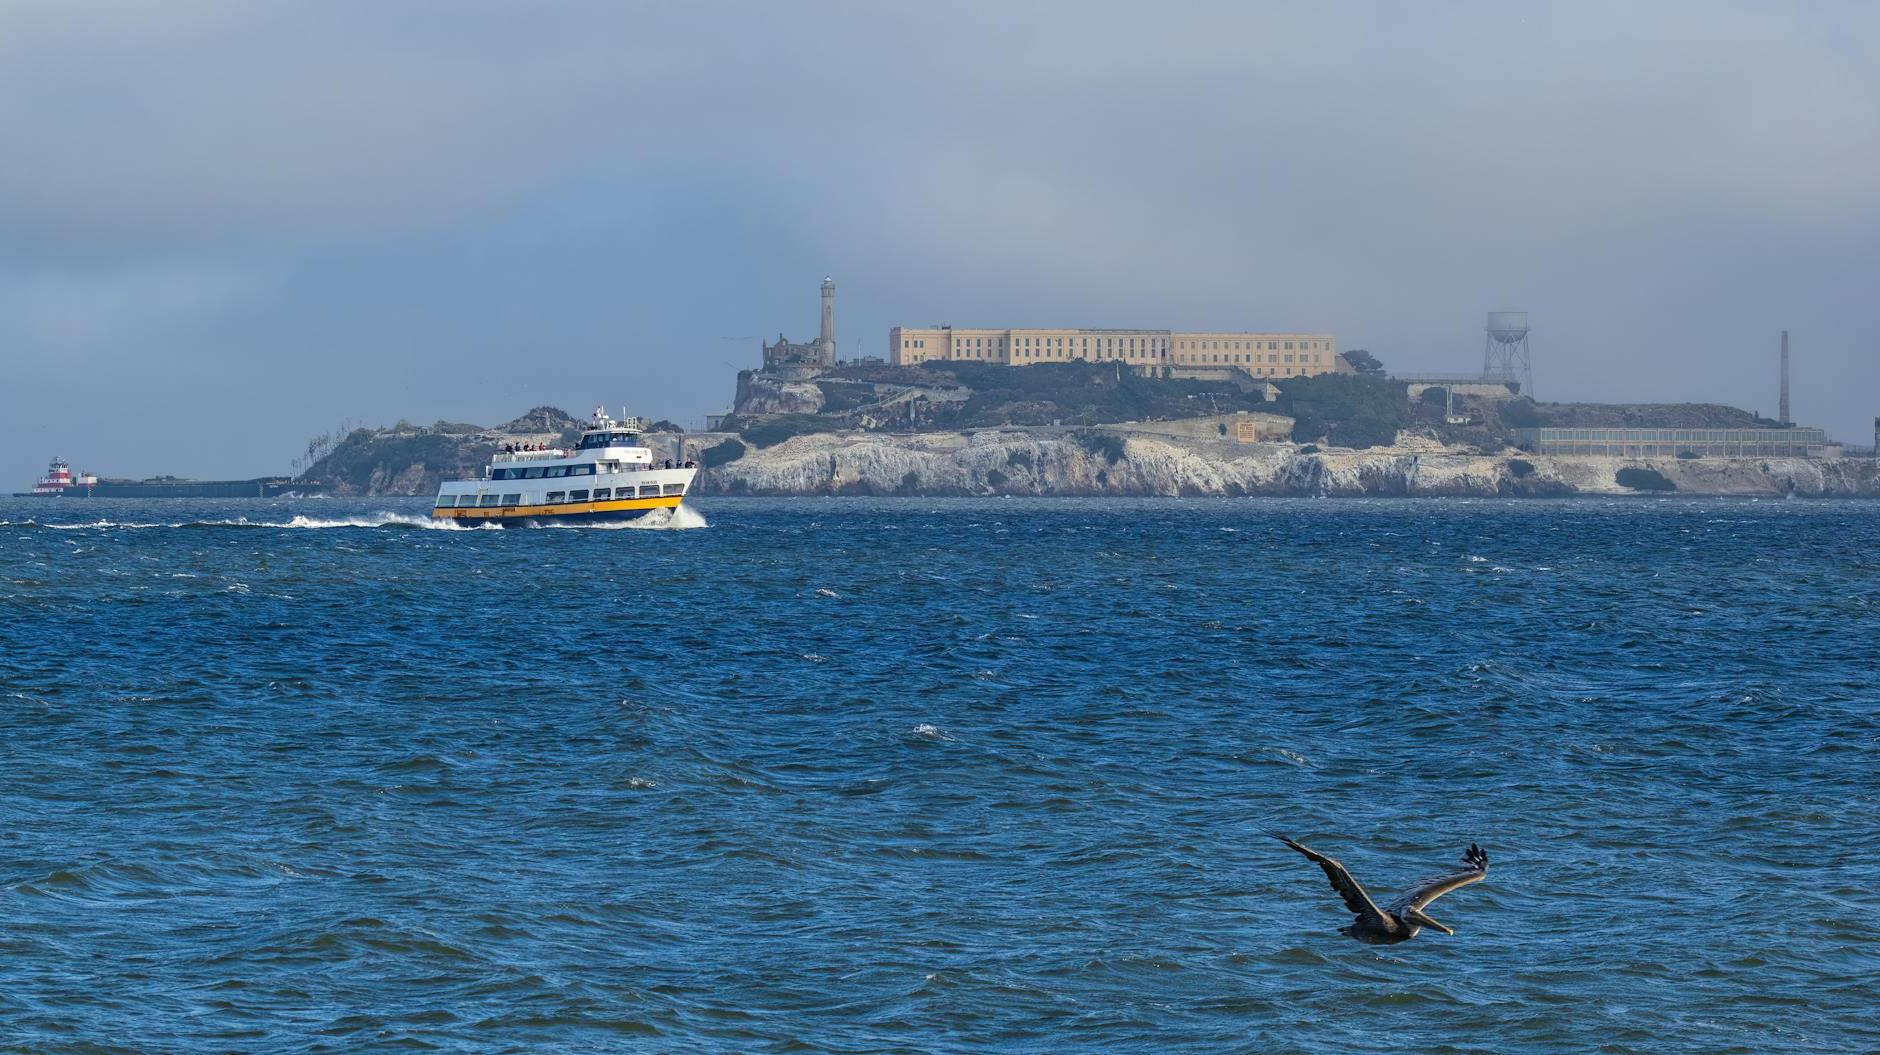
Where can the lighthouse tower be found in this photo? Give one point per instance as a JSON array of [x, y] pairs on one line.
[[826, 345]]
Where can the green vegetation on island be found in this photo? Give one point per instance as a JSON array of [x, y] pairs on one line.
[[1345, 410], [1081, 393], [721, 454], [411, 459]]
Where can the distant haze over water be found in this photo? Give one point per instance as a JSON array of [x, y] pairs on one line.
[[232, 226]]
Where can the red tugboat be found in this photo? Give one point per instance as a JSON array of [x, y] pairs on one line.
[[57, 481], [60, 480]]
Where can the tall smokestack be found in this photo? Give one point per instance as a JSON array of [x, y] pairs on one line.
[[1783, 410]]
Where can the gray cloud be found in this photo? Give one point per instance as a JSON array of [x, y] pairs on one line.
[[381, 208]]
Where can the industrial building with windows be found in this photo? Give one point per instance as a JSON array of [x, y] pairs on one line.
[[1257, 354], [1672, 443]]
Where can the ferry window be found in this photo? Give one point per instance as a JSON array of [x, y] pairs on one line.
[[444, 501], [675, 489], [533, 472], [512, 500], [647, 490], [602, 494], [577, 496], [555, 470], [581, 470], [486, 500], [556, 496]]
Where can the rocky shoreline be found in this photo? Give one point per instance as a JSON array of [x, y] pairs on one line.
[[1128, 462], [1186, 457]]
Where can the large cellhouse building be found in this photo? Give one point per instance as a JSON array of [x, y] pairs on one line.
[[1257, 354]]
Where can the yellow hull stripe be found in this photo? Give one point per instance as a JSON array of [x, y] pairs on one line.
[[559, 509]]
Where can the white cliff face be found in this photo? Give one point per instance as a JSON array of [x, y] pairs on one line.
[[1096, 462], [761, 394]]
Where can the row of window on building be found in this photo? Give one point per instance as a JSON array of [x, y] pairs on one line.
[[598, 494], [1031, 347], [1176, 349], [1803, 435], [1253, 346], [555, 472], [1233, 358], [1670, 443]]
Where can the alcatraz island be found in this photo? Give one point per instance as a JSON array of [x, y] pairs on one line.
[[952, 411]]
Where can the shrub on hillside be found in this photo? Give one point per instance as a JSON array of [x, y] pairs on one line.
[[1082, 393], [774, 430], [1521, 467], [840, 397], [1365, 430], [1346, 410], [721, 454], [1363, 362], [1522, 413], [1111, 447]]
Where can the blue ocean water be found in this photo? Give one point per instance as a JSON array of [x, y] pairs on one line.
[[938, 776]]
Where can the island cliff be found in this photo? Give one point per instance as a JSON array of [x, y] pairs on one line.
[[1243, 453], [1044, 461]]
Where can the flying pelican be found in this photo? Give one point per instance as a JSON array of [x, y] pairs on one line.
[[1405, 917]]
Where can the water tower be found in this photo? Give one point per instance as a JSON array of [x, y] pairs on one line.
[[1505, 350]]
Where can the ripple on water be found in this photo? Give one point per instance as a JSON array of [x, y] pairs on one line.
[[976, 776]]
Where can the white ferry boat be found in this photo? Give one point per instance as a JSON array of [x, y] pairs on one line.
[[606, 476]]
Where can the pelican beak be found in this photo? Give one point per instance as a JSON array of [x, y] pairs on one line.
[[1417, 917]]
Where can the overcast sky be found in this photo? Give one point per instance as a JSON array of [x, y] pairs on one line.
[[227, 227]]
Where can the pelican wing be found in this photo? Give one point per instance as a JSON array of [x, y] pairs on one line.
[[1355, 898], [1474, 869]]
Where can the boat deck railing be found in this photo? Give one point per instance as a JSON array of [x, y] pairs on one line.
[[529, 456]]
